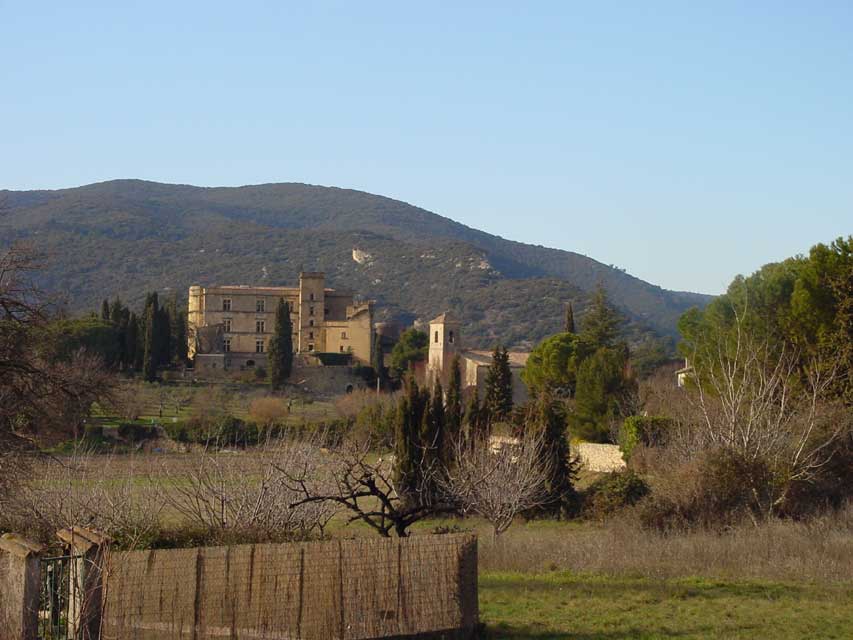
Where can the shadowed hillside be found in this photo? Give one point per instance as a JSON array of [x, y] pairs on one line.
[[126, 237]]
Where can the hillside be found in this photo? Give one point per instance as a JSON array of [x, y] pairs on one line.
[[126, 237]]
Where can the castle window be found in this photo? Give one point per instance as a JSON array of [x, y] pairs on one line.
[[226, 345], [260, 326], [259, 346], [310, 347], [310, 311], [260, 306], [311, 297], [343, 335], [310, 323], [436, 337], [226, 304], [226, 323], [342, 348], [450, 337], [310, 335]]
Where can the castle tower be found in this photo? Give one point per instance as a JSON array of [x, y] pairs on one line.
[[195, 314], [444, 344], [312, 305]]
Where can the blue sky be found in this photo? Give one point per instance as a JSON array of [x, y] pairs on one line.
[[684, 141]]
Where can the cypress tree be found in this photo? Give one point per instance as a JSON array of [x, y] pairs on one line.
[[105, 310], [475, 419], [180, 340], [280, 356], [149, 358], [570, 319], [547, 415], [453, 408], [429, 451], [131, 336], [163, 329], [116, 311], [407, 457], [377, 357], [119, 319], [140, 342], [498, 396], [435, 434]]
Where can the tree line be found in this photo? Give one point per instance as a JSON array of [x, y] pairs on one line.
[[156, 338]]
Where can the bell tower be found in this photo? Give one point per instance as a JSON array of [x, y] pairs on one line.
[[444, 344]]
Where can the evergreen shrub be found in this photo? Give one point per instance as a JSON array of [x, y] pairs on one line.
[[612, 493], [650, 431]]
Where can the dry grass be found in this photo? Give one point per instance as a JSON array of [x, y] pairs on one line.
[[820, 550]]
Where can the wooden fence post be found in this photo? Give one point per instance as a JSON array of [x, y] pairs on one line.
[[86, 586], [20, 582]]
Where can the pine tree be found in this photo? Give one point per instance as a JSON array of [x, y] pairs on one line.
[[105, 310], [605, 394], [570, 319], [149, 358], [498, 395], [280, 356], [601, 323], [453, 409]]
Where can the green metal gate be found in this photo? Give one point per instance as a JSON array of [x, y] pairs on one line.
[[58, 599]]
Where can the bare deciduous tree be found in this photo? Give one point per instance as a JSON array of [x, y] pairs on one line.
[[760, 399], [249, 491], [366, 489], [85, 489], [499, 482], [37, 393]]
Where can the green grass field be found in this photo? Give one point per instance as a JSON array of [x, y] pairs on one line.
[[583, 607]]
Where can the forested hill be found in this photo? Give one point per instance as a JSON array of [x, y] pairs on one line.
[[126, 237]]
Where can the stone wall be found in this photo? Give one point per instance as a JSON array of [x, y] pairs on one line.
[[19, 588], [602, 458], [345, 589]]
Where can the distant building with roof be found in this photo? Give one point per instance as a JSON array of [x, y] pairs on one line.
[[445, 343]]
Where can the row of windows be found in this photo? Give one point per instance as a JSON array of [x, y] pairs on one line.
[[260, 325], [259, 344], [226, 346], [261, 305]]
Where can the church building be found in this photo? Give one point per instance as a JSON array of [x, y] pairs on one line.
[[445, 343]]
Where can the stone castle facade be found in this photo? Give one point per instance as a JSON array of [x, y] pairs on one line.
[[230, 327]]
